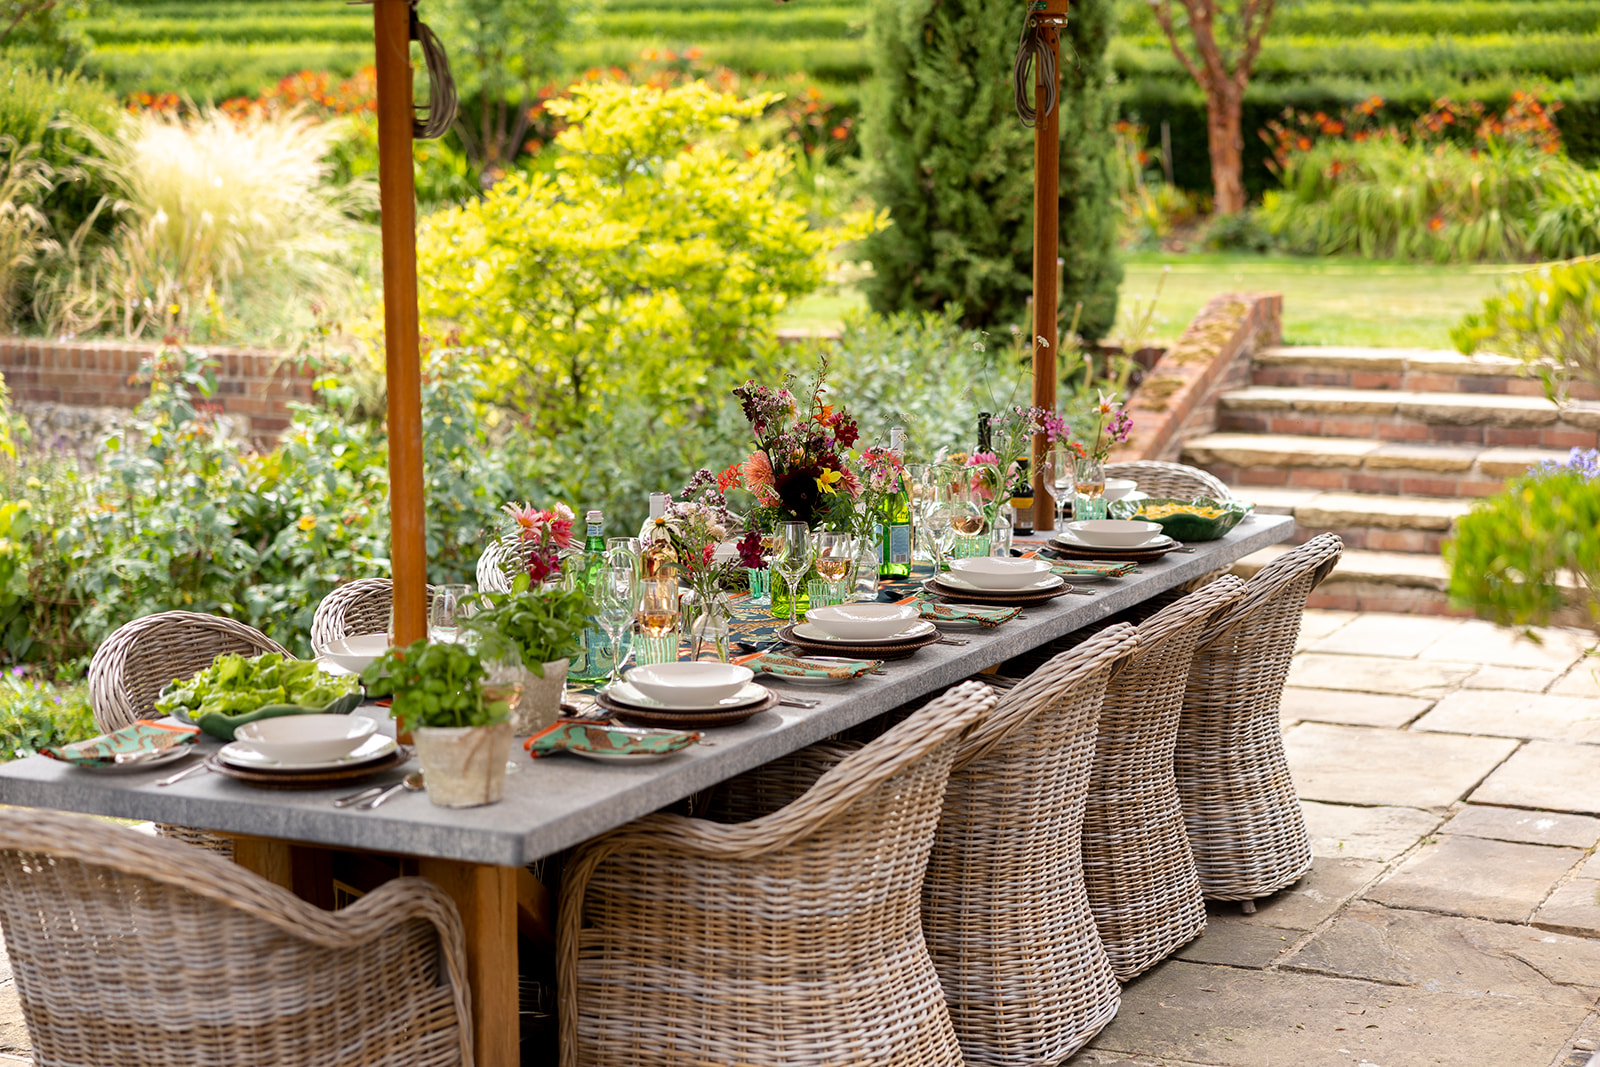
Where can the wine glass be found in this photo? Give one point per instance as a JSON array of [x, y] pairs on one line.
[[620, 550], [968, 523], [835, 551], [1061, 480], [937, 518], [658, 607], [616, 598], [791, 558], [446, 610]]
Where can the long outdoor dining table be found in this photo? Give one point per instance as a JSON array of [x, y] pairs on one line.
[[560, 801]]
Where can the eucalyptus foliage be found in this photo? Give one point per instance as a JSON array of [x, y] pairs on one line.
[[1523, 555]]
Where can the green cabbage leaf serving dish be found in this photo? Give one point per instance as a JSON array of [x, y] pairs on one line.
[[1200, 519], [235, 690]]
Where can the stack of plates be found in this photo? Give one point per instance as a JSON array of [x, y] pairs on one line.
[[955, 587], [376, 754], [624, 700], [810, 637], [1072, 546]]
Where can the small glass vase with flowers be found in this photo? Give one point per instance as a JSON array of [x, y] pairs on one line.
[[1105, 425], [698, 525]]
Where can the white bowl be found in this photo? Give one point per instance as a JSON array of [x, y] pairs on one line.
[[690, 685], [306, 738], [1117, 488], [1115, 533], [355, 652], [997, 572], [863, 622]]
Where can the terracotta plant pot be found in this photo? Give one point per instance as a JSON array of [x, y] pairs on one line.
[[541, 699], [465, 766]]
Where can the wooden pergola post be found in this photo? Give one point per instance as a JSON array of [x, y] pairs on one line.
[[398, 217], [1047, 18]]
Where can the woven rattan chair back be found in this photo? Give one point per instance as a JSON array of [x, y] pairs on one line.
[[1140, 875], [132, 666], [1244, 821], [1176, 481], [494, 574], [793, 939], [359, 607], [1003, 906], [134, 951]]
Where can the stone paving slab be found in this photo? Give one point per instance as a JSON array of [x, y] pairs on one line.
[[1583, 680], [1387, 635], [1352, 709], [1454, 954], [1547, 776], [1528, 827], [1239, 944], [1383, 833], [1315, 625], [1458, 875], [1361, 765], [1375, 674], [1574, 908], [1193, 1013], [1506, 714], [1476, 641], [1307, 903], [1516, 679]]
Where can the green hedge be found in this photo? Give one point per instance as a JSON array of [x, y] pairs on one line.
[[1183, 109], [219, 71], [230, 29], [789, 23], [824, 60], [1339, 18]]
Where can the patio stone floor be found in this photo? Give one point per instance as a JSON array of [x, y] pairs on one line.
[[1450, 776]]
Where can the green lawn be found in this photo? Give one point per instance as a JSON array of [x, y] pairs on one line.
[[1325, 301]]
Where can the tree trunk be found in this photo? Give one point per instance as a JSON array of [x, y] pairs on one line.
[[1224, 119]]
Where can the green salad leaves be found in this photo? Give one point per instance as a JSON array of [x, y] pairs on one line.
[[234, 685]]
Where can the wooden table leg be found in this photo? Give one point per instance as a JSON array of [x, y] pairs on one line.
[[267, 856], [486, 897]]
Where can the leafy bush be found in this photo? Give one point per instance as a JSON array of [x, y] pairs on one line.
[[24, 181], [219, 70], [48, 32], [1549, 318], [1511, 557], [34, 713], [650, 258], [49, 109]]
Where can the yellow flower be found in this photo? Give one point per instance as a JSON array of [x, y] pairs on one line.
[[308, 523], [827, 479], [173, 309], [34, 483]]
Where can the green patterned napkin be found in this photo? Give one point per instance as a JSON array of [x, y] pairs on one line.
[[988, 618], [605, 739], [143, 736], [1079, 568], [787, 666]]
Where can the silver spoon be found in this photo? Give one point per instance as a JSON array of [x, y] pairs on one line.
[[411, 783]]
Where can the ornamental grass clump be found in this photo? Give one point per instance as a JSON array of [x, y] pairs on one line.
[[1525, 555]]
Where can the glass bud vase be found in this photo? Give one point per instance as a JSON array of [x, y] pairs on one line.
[[712, 625], [1089, 477]]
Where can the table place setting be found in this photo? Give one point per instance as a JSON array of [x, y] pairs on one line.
[[882, 631], [142, 745], [689, 694], [811, 670], [1114, 540]]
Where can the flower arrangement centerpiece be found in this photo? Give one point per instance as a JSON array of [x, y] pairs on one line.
[[1111, 425], [995, 476], [697, 526], [533, 540]]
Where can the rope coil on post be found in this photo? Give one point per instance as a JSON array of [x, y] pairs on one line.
[[440, 110]]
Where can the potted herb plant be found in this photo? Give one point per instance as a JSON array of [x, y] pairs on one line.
[[537, 631], [461, 725]]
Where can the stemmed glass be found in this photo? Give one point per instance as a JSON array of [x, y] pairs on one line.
[[1061, 480], [937, 516], [616, 598], [835, 551], [791, 558], [448, 607], [658, 610]]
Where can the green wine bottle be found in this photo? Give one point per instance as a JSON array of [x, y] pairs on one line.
[[894, 531]]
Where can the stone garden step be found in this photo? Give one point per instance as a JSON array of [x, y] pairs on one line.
[[1405, 415], [1364, 520], [1360, 465], [1418, 370], [1404, 582]]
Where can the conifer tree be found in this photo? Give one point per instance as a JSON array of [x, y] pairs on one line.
[[953, 163]]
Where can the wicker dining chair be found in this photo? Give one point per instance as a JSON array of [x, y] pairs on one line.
[[1244, 821], [1176, 481], [1003, 906], [358, 607], [134, 951], [133, 665], [494, 572], [1140, 875], [792, 939]]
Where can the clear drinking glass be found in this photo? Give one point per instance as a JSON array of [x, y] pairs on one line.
[[835, 553], [450, 604], [968, 523], [791, 558], [616, 599], [1090, 480], [937, 516], [1061, 480], [621, 550], [659, 616]]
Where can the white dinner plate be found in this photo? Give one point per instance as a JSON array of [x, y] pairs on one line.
[[624, 692], [622, 757], [327, 666], [1043, 585], [920, 628], [1067, 537], [167, 755], [238, 754]]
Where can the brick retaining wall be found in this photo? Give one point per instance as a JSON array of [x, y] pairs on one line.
[[252, 384]]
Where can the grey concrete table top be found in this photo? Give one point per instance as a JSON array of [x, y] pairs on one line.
[[559, 801]]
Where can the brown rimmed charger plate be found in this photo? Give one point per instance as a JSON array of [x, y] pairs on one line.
[[685, 718], [1118, 555], [998, 597], [311, 779], [895, 650]]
